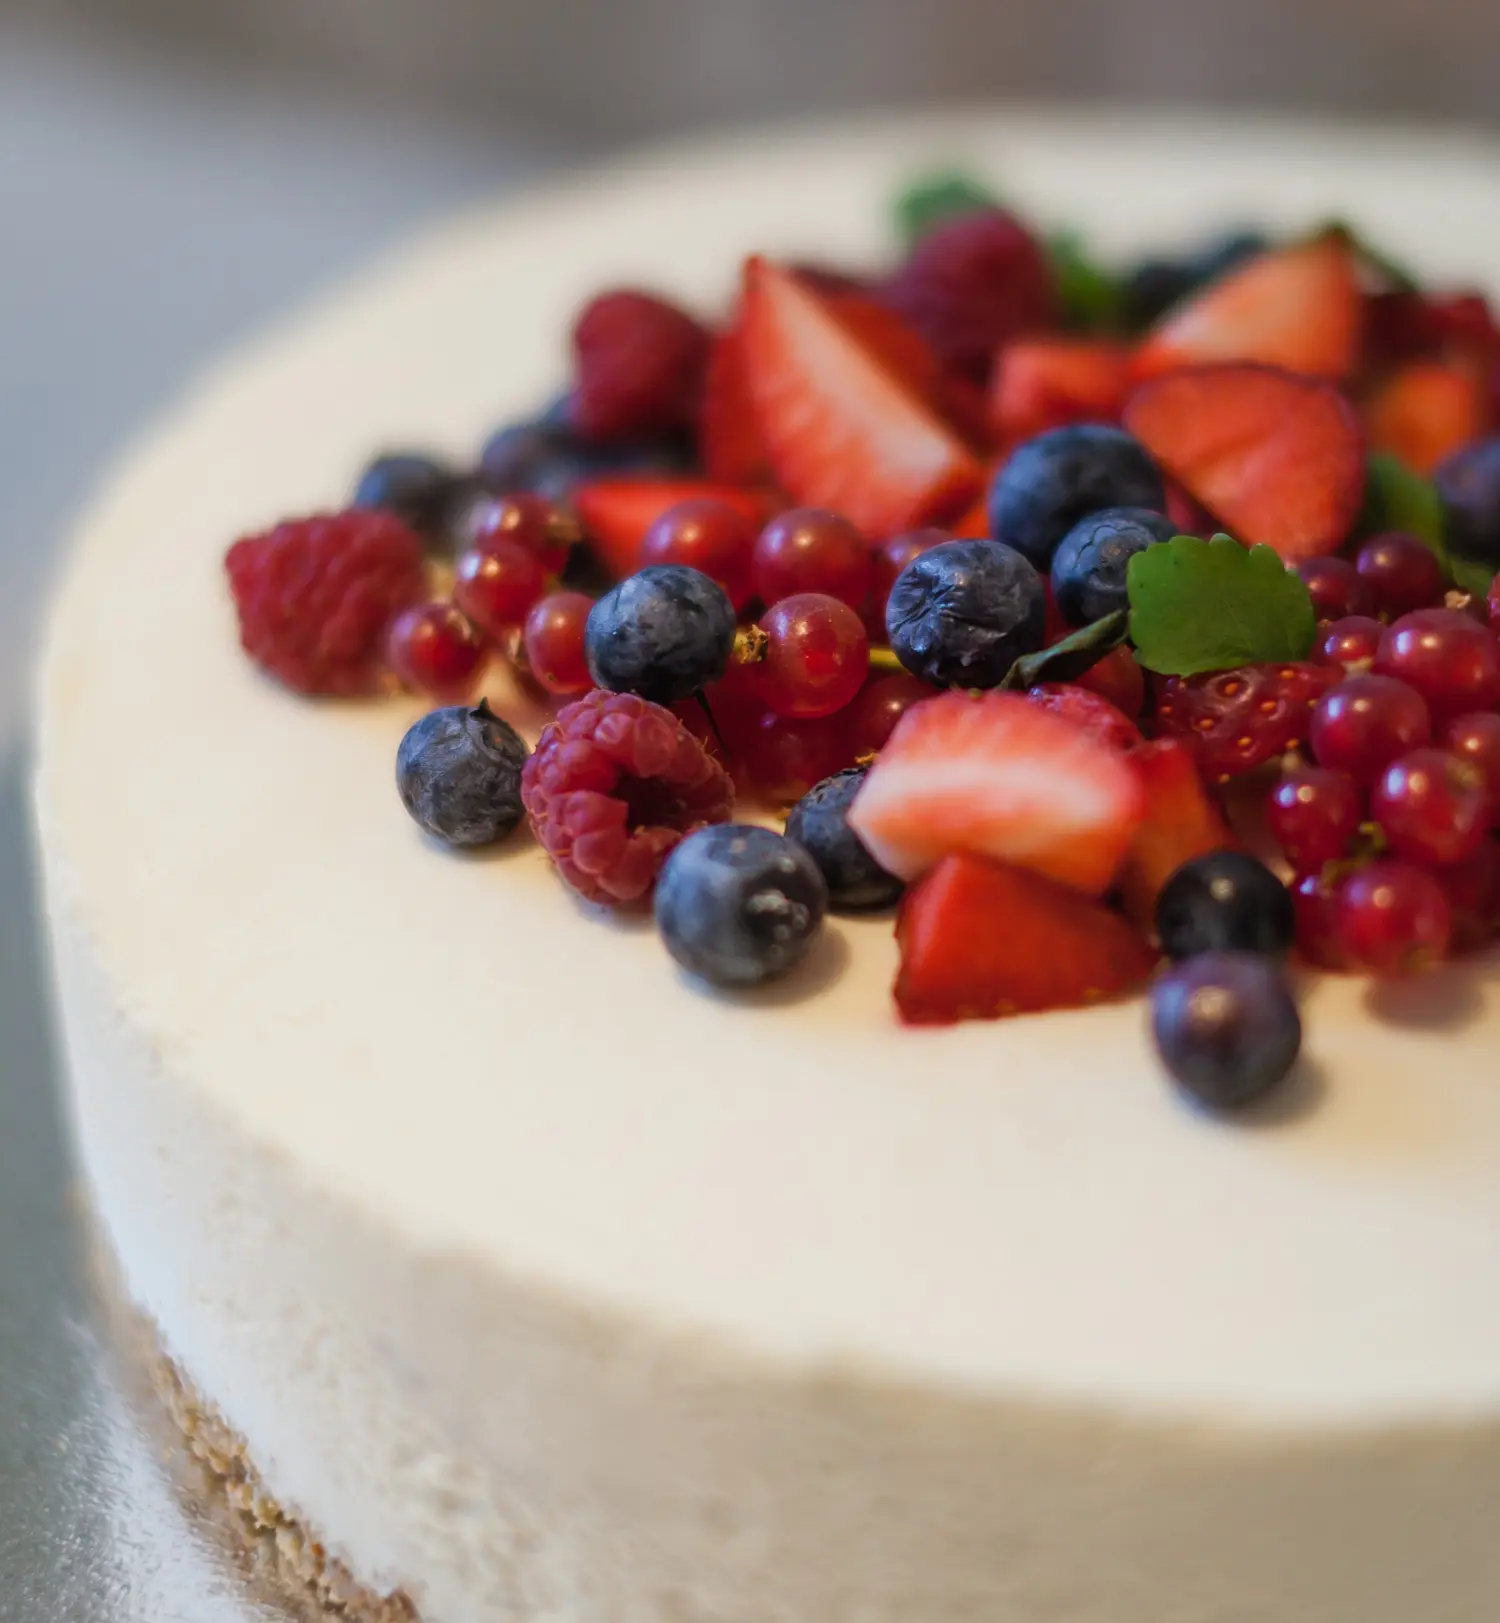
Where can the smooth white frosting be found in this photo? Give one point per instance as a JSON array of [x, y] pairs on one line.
[[473, 1213]]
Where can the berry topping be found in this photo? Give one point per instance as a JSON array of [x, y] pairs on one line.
[[1051, 482], [817, 655], [618, 514], [997, 775], [1363, 724], [807, 550], [417, 488], [554, 643], [1313, 815], [841, 431], [1226, 1028], [710, 535], [971, 284], [664, 633], [1088, 711], [638, 367], [739, 905], [613, 784], [1224, 902], [1351, 643], [980, 940], [497, 587], [819, 822], [961, 614], [315, 596], [434, 649], [1088, 568], [1432, 807], [1296, 307], [1181, 822], [1401, 572], [1447, 656], [1042, 383], [1469, 484], [1278, 458], [1235, 721], [458, 772], [1393, 919], [1336, 587]]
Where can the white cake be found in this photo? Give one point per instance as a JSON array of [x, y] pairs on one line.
[[536, 1282]]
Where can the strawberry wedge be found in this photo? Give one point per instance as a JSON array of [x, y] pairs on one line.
[[1274, 457], [997, 776], [841, 430]]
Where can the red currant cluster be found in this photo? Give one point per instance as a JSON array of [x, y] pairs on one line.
[[1389, 828]]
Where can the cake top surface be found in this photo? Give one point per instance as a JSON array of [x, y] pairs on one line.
[[460, 1047]]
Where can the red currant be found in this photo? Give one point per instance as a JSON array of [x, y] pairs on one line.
[[1364, 723], [1350, 642], [1393, 918], [894, 555], [1313, 815], [497, 587], [809, 550], [1449, 658], [1476, 739], [525, 521], [782, 757], [433, 648], [1400, 572], [817, 658], [1432, 807], [553, 640], [1315, 903], [872, 718], [1336, 587], [1473, 890], [712, 536]]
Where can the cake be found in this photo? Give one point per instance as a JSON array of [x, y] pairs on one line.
[[503, 1271]]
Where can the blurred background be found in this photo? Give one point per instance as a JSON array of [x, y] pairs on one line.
[[174, 171]]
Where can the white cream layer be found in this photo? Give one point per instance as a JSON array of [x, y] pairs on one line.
[[546, 1285]]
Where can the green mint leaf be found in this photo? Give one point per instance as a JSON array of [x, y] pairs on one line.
[[1398, 499], [930, 199], [1067, 659], [1471, 576], [1212, 605], [1390, 271], [1092, 299]]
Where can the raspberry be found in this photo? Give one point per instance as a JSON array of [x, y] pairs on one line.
[[612, 786], [972, 284], [1237, 720], [639, 366], [315, 596]]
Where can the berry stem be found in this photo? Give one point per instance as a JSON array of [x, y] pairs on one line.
[[883, 662]]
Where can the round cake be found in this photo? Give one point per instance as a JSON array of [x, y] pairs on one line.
[[529, 1278]]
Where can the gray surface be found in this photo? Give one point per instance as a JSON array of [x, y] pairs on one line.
[[144, 221]]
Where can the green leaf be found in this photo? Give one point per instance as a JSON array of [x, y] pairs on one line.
[[1398, 499], [1212, 605], [930, 199], [1067, 659], [1390, 271], [1092, 298]]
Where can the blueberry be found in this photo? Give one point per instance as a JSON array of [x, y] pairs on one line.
[[1088, 568], [1048, 483], [1226, 1027], [458, 772], [547, 456], [664, 633], [418, 488], [963, 612], [1469, 483], [739, 905], [1224, 902], [819, 823], [1224, 253]]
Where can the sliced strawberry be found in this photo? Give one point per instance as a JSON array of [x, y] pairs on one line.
[[994, 774], [1042, 383], [1427, 411], [729, 442], [1181, 822], [616, 513], [1119, 679], [1298, 308], [980, 940], [1090, 712], [1189, 514], [841, 430], [1276, 458]]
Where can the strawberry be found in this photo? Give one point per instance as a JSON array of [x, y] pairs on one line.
[[1181, 822], [1042, 383], [1297, 308], [729, 442], [1276, 458], [1234, 721], [1089, 712], [1425, 412], [1119, 679], [1187, 512], [841, 430], [616, 513], [994, 774], [980, 940]]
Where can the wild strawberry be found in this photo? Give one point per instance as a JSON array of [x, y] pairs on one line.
[[1234, 721]]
